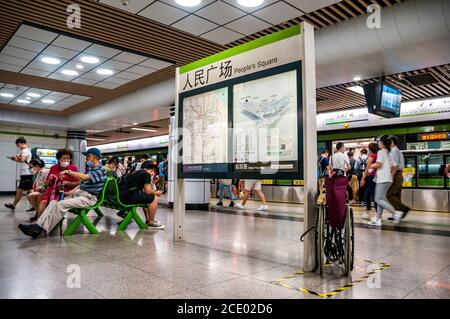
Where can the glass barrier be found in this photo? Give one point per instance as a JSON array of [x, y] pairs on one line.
[[428, 174]]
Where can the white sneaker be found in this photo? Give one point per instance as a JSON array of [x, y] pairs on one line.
[[239, 205], [263, 207], [375, 222], [365, 215], [397, 217]]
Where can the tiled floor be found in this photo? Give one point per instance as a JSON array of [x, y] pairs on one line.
[[223, 256]]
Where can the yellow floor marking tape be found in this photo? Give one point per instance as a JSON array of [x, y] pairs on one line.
[[334, 292]]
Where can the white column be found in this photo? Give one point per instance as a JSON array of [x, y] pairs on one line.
[[309, 142], [76, 142], [179, 209]]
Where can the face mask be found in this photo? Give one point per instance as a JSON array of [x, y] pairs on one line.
[[89, 164], [64, 164]]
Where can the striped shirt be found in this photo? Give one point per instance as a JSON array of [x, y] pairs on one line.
[[94, 185]]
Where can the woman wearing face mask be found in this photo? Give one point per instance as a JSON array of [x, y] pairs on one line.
[[40, 173], [64, 157]]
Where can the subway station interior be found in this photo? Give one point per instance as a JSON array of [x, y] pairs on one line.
[[175, 149]]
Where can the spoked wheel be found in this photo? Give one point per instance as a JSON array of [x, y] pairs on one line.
[[320, 229], [348, 239]]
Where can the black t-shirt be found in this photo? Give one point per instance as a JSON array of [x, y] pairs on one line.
[[136, 182]]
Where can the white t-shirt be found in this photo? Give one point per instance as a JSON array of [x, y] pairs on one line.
[[24, 169], [383, 174], [338, 161]]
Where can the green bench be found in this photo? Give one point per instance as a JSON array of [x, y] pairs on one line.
[[108, 197]]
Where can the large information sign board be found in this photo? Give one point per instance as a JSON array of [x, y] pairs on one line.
[[240, 111]]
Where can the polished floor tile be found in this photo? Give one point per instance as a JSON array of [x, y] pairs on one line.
[[223, 255]]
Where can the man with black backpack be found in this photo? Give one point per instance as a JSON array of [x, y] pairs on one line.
[[26, 177], [360, 167], [138, 188]]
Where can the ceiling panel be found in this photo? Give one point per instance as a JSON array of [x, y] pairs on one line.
[[251, 9], [188, 9], [311, 5], [27, 44], [69, 53], [19, 53], [194, 24], [155, 64], [8, 59], [38, 98], [102, 51], [132, 6], [247, 25], [220, 12], [278, 12], [222, 35], [71, 43], [163, 13], [26, 31]]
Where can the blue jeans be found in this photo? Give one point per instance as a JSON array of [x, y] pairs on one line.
[[221, 190]]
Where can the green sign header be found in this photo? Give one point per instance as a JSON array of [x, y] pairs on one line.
[[274, 37]]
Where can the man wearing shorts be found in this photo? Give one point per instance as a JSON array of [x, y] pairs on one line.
[[139, 189], [26, 177], [254, 184]]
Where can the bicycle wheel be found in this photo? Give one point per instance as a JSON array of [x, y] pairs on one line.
[[348, 242], [320, 228]]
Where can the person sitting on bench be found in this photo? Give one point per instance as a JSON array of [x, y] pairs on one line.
[[84, 195], [140, 189]]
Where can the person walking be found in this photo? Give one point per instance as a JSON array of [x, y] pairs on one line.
[[249, 185], [352, 178], [394, 193], [383, 179], [367, 180], [26, 177], [225, 184]]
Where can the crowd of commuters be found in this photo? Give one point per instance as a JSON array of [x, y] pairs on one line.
[[54, 191], [376, 176]]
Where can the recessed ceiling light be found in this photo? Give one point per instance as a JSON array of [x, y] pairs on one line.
[[250, 3], [69, 72], [188, 3], [46, 101], [7, 95], [50, 60], [135, 123], [358, 89], [105, 71], [28, 98], [33, 94], [23, 101], [357, 78], [90, 59], [79, 66], [143, 129]]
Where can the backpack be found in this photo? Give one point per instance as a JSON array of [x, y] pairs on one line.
[[320, 173], [34, 154], [351, 171], [362, 166], [123, 183]]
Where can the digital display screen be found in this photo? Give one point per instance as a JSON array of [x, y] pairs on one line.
[[390, 99], [434, 136]]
